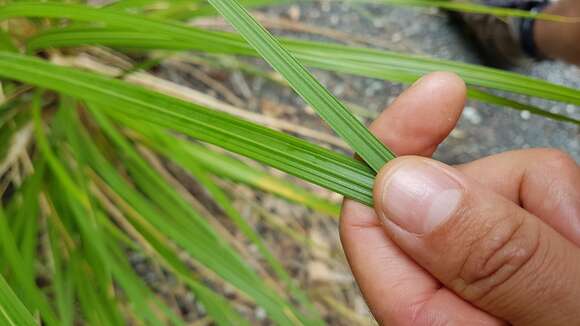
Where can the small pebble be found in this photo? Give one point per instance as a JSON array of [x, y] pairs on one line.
[[525, 115], [471, 114], [294, 13]]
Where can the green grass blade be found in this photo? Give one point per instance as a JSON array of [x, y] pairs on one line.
[[223, 201], [143, 32], [297, 157], [12, 311], [25, 283], [344, 123], [106, 258], [184, 224], [333, 111], [227, 167], [6, 42], [358, 61], [179, 154], [26, 225], [502, 101], [62, 278]]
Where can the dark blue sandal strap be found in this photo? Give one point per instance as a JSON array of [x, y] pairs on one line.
[[526, 30]]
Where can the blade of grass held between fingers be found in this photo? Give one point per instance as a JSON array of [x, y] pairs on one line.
[[344, 123]]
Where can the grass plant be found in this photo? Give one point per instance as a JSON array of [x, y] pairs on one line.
[[86, 157]]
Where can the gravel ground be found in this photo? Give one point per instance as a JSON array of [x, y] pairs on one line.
[[484, 129]]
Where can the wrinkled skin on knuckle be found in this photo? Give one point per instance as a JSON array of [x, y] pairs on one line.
[[555, 173], [559, 160], [497, 260], [556, 169]]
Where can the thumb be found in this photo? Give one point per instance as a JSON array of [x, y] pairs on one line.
[[486, 249]]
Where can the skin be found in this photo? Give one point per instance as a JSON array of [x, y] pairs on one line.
[[560, 40], [508, 254]]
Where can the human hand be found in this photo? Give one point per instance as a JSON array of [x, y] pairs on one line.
[[490, 242]]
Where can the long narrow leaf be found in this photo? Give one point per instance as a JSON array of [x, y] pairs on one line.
[[320, 55], [290, 154], [332, 110], [184, 223], [328, 107], [12, 311], [363, 62]]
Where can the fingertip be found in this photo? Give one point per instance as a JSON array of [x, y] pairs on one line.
[[443, 95], [424, 115], [445, 80]]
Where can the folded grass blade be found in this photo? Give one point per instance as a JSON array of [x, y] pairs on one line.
[[333, 111], [344, 123]]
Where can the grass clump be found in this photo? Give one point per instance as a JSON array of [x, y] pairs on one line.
[[88, 163]]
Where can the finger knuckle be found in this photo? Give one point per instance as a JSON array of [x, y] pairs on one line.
[[557, 160], [496, 257]]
